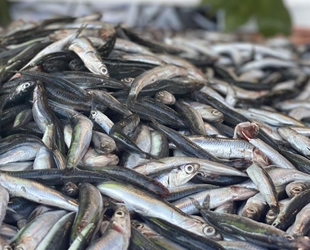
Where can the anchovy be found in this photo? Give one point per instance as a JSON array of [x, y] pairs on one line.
[[34, 191], [150, 77], [147, 205]]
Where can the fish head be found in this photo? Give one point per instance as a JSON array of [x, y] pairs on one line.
[[24, 87], [107, 146], [121, 220], [303, 242], [211, 232], [251, 212], [260, 158], [93, 114], [103, 70], [127, 81], [187, 171], [216, 113], [246, 130], [295, 188], [271, 216], [38, 91], [143, 228]]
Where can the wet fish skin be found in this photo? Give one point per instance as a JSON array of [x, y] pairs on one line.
[[191, 117], [89, 55], [297, 141], [118, 233], [142, 137], [264, 184], [139, 241], [34, 232], [90, 209], [56, 238], [181, 236], [83, 238], [160, 72], [290, 210], [217, 196], [207, 112], [102, 143], [34, 191], [82, 134], [296, 187], [154, 236], [119, 133], [129, 176], [206, 166], [19, 208], [255, 232], [228, 208], [178, 176], [110, 101], [300, 227], [4, 203], [146, 204], [256, 207], [159, 147], [165, 97]]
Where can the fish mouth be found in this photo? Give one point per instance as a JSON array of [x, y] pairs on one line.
[[246, 131], [117, 227]]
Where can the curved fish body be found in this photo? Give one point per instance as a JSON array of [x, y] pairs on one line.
[[178, 176], [151, 76], [147, 205], [90, 209], [37, 229], [206, 166], [264, 184], [34, 191], [89, 55], [3, 203], [299, 142], [118, 233], [218, 197], [81, 138]]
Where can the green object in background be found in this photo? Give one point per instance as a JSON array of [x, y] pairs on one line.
[[271, 16], [4, 13]]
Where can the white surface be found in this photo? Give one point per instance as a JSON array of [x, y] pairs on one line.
[[111, 2], [299, 9], [300, 12]]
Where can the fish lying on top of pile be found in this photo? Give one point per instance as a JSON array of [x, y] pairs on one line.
[[112, 140]]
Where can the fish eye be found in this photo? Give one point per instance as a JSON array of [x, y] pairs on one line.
[[201, 174], [256, 128], [139, 226], [27, 85], [119, 214], [289, 237], [93, 113], [104, 71], [251, 210], [189, 169], [215, 112], [209, 230], [297, 189], [271, 213]]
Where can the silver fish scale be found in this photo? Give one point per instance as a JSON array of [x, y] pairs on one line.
[[117, 138]]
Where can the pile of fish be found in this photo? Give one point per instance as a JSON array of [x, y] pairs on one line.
[[113, 140]]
